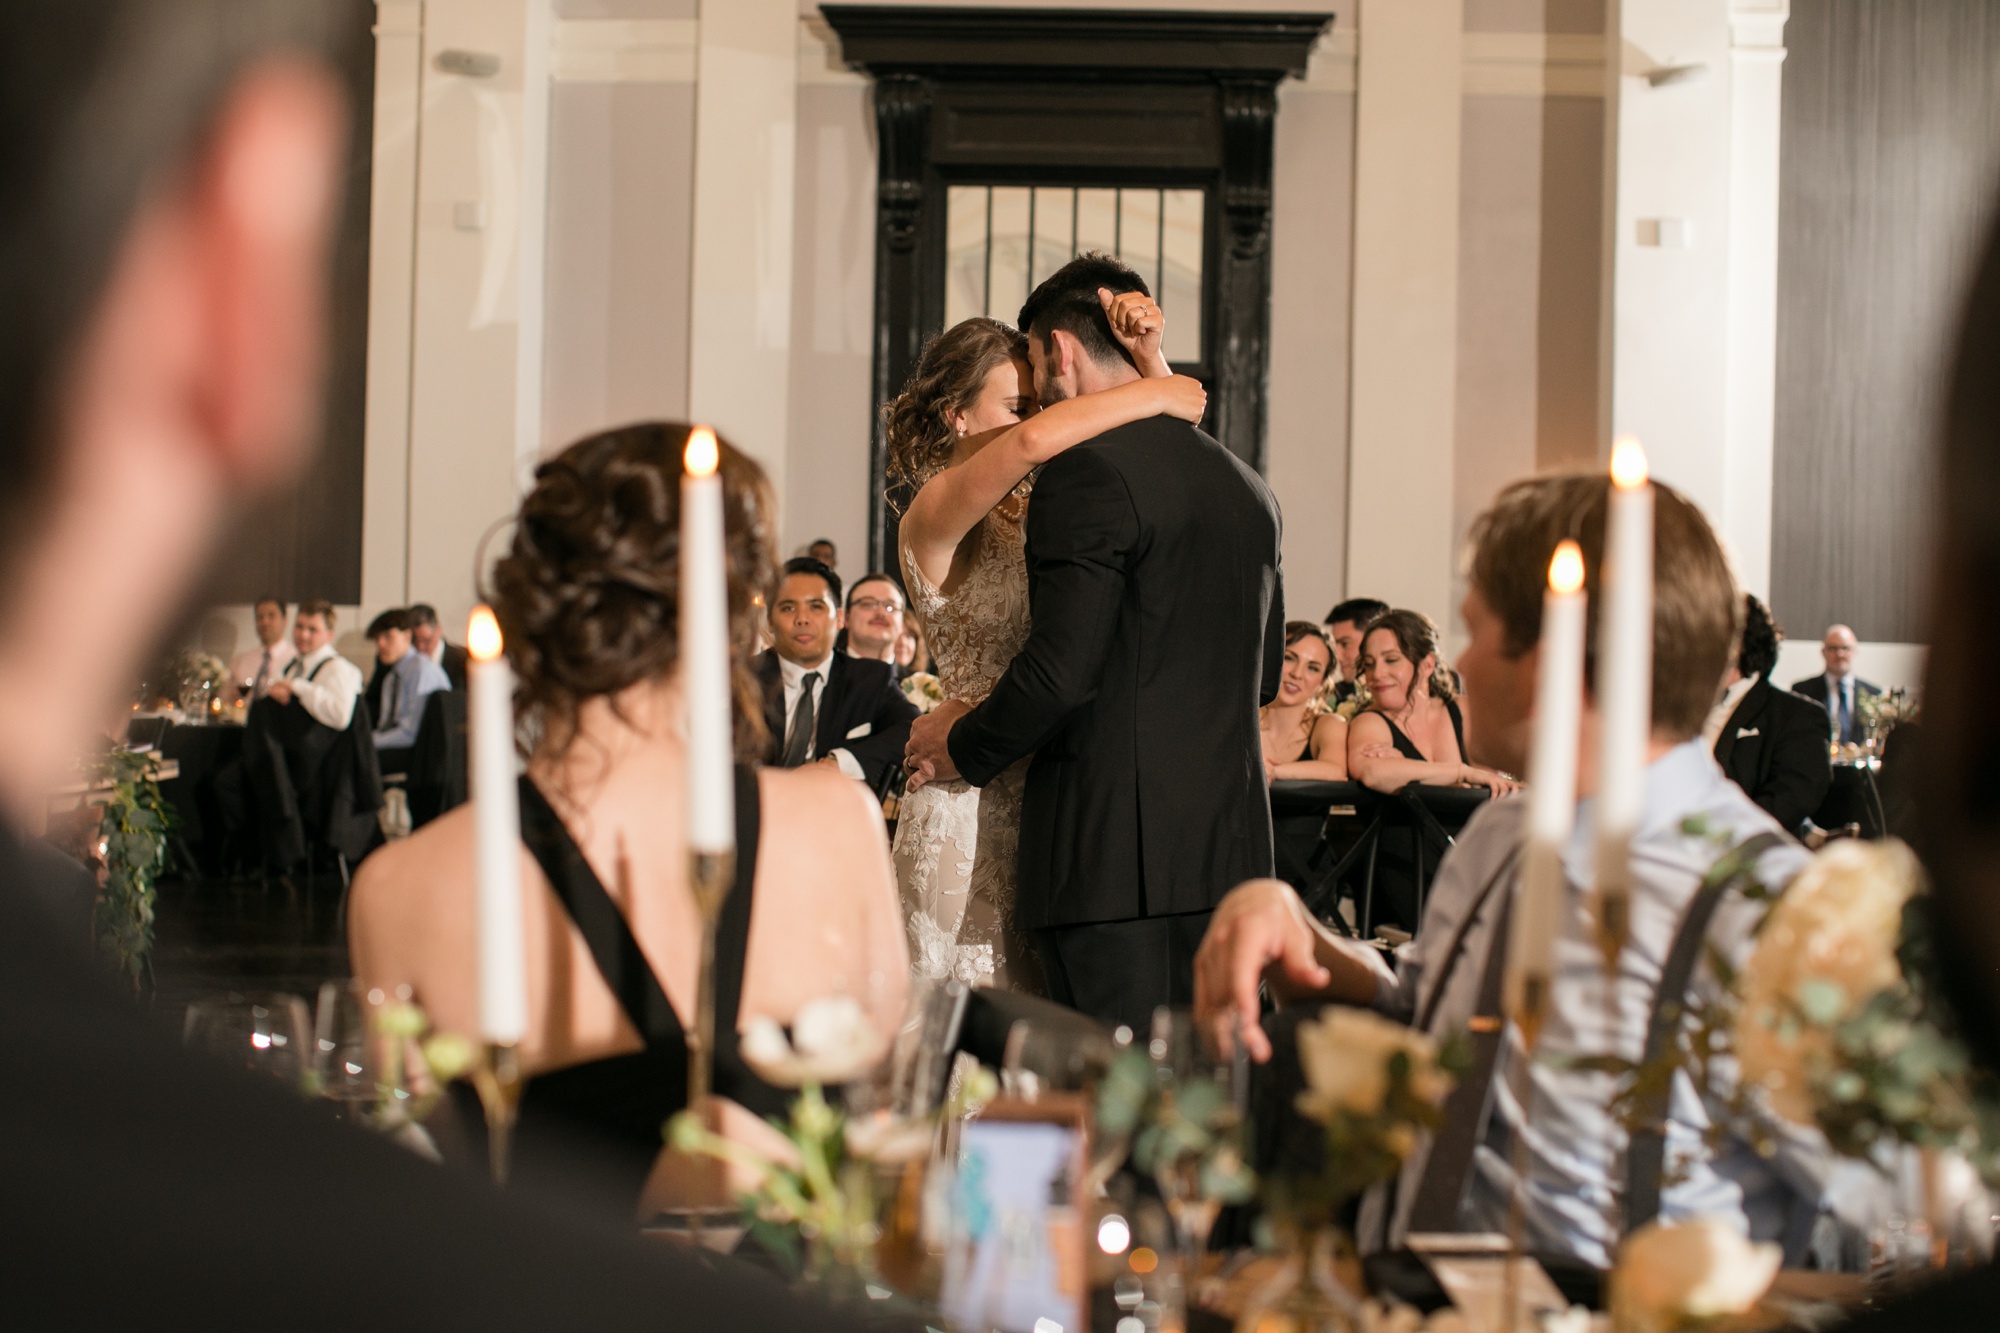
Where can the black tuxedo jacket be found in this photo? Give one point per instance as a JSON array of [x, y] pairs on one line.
[[1816, 689], [858, 694], [1774, 748], [454, 665], [1159, 623]]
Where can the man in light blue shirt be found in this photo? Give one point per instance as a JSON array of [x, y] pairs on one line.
[[407, 679], [1579, 1185]]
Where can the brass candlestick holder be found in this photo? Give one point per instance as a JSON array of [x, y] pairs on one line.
[[498, 1081], [704, 1180]]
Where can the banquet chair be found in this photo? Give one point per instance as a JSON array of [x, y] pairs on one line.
[[436, 779], [1425, 819]]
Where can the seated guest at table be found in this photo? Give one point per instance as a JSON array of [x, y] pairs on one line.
[[1343, 630], [1838, 689], [254, 669], [913, 649], [167, 197], [587, 602], [1770, 742], [1576, 1190], [429, 639], [821, 706], [409, 679], [1412, 729], [1302, 737], [319, 679], [875, 612]]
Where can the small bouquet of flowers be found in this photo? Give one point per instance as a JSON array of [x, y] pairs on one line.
[[1883, 713], [924, 690]]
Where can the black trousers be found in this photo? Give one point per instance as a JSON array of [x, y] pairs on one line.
[[1118, 972]]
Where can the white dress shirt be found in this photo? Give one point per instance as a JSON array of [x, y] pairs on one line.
[[329, 698], [246, 666], [793, 677], [1575, 1146], [1725, 708]]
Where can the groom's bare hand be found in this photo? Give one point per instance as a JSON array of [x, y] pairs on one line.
[[926, 758]]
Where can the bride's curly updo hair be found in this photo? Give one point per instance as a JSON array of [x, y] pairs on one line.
[[588, 595], [948, 378]]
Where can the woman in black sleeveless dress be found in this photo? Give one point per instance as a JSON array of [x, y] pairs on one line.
[[586, 600], [1412, 731]]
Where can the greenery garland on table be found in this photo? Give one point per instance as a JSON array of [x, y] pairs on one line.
[[132, 839]]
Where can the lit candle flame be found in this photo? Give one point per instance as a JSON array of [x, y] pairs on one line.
[[702, 452], [482, 635], [1628, 463], [1566, 569]]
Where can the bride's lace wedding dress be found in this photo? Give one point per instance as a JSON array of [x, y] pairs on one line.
[[955, 843]]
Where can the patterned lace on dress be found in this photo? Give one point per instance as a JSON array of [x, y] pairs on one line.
[[955, 843]]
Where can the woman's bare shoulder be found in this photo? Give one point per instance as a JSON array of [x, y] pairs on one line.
[[820, 808], [410, 871]]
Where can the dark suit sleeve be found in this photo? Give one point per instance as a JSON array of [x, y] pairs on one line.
[[889, 715], [1274, 644], [1799, 771], [1081, 533]]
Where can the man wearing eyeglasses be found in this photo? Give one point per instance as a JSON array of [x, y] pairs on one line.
[[875, 621]]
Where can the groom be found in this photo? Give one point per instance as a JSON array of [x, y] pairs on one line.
[[1158, 617]]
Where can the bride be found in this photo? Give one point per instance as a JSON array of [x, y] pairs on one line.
[[966, 436]]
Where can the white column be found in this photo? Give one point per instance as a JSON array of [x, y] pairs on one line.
[[1405, 304], [1695, 324], [476, 311], [746, 94], [392, 256], [1756, 66]]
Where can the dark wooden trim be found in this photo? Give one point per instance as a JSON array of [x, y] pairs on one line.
[[1067, 43], [1075, 97]]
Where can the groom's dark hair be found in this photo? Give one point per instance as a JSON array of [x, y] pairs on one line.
[[1067, 300]]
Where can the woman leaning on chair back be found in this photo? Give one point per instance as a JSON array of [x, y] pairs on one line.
[[586, 597], [1412, 730]]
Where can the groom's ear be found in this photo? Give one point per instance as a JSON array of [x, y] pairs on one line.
[[1064, 350]]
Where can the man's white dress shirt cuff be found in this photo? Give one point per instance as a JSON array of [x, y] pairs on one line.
[[848, 765]]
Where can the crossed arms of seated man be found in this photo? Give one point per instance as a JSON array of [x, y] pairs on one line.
[[1262, 935]]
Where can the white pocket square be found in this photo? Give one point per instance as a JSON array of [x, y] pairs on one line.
[[1741, 732], [860, 731]]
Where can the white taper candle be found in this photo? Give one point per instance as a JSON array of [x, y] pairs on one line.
[[1624, 680], [1552, 763], [496, 820], [704, 650]]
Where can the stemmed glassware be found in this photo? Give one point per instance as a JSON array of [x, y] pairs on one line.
[[267, 1032]]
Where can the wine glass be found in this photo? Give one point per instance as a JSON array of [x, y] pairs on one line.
[[1210, 1092], [354, 1065], [267, 1032]]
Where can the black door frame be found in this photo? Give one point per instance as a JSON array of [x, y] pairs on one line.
[[1064, 98]]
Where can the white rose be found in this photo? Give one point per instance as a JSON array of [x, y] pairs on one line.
[[1669, 1273], [1345, 1055], [832, 1042], [1832, 938]]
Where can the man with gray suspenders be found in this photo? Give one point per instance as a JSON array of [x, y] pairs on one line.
[[1586, 1183]]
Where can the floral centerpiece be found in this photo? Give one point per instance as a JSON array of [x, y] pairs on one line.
[[1676, 1276], [132, 836], [1883, 713], [1373, 1085]]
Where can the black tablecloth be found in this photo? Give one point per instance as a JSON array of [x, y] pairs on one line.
[[202, 752]]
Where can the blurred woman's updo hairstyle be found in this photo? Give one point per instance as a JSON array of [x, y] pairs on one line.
[[1417, 638], [948, 378], [588, 594]]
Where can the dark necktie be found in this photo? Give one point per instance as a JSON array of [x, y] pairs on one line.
[[798, 741], [263, 680], [389, 692], [1846, 717]]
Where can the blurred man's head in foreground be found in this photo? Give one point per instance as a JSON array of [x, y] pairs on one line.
[[168, 186]]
